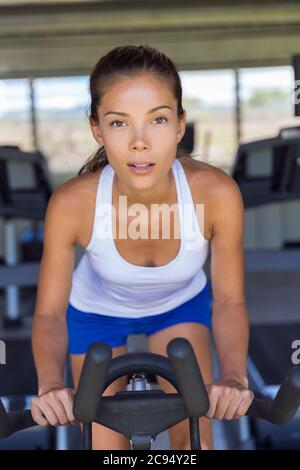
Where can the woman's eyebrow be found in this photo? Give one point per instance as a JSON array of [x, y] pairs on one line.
[[148, 112]]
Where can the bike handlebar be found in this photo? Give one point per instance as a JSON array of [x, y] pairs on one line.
[[284, 406], [13, 421], [181, 370], [188, 379]]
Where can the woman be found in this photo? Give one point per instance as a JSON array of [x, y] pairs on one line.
[[132, 278]]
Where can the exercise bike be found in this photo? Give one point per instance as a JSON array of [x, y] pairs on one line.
[[141, 414]]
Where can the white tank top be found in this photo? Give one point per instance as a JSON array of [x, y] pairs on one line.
[[105, 283]]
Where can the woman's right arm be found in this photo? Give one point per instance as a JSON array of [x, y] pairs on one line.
[[49, 331]]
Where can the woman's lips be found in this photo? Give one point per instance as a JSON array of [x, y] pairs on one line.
[[141, 170]]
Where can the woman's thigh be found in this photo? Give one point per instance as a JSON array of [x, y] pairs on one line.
[[200, 339]]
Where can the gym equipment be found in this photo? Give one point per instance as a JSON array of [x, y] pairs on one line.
[[268, 171], [188, 141], [140, 414], [25, 189]]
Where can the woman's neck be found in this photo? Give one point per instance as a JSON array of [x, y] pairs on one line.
[[162, 193]]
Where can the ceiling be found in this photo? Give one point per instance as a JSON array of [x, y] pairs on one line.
[[55, 37]]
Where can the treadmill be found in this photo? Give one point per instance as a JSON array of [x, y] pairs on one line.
[[25, 189], [267, 172]]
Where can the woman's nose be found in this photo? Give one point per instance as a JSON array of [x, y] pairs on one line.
[[140, 145]]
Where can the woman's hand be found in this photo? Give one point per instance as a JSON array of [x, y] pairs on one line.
[[229, 399], [55, 407]]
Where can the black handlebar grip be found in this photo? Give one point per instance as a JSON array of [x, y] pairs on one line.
[[189, 377], [19, 420], [286, 403], [92, 382], [287, 400], [14, 421]]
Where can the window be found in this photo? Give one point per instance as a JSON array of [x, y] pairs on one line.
[[63, 129], [266, 101], [15, 124], [209, 99]]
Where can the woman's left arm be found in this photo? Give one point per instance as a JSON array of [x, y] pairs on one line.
[[229, 397]]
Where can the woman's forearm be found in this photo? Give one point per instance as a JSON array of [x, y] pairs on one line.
[[230, 326], [49, 346]]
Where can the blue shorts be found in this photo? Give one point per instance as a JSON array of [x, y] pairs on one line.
[[86, 328]]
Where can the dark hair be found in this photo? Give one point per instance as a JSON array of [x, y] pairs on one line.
[[127, 60]]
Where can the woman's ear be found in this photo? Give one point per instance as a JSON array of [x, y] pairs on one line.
[[96, 132], [181, 127]]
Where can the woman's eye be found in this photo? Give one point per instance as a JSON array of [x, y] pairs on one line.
[[158, 119], [112, 124], [161, 117]]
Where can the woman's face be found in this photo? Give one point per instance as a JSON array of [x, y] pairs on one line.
[[131, 130]]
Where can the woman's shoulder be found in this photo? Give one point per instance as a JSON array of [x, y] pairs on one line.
[[206, 178], [76, 195], [80, 188], [212, 187], [74, 203]]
